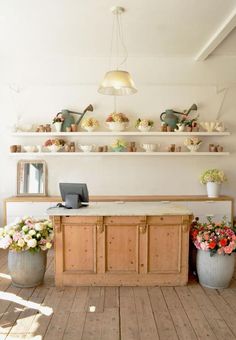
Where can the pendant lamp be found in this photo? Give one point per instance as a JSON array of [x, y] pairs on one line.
[[117, 82]]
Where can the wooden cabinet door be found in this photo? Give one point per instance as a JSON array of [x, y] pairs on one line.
[[122, 244], [79, 244], [164, 244]]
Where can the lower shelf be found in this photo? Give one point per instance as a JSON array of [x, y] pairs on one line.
[[115, 154]]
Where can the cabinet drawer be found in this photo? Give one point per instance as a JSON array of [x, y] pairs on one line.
[[168, 220]]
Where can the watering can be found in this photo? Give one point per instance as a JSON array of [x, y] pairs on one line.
[[69, 118], [171, 117]]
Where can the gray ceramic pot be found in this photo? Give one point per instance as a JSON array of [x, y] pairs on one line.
[[27, 269]]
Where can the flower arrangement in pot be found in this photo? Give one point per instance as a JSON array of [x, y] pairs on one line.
[[119, 145], [117, 121], [192, 143], [89, 124], [213, 178], [144, 125], [54, 145], [216, 244], [57, 121], [28, 241]]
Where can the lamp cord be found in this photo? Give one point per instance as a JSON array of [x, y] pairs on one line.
[[119, 36]]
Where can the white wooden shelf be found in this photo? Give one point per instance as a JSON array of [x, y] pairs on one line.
[[119, 133], [115, 154]]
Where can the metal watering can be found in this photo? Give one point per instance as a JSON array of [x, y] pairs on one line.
[[170, 117], [69, 118]]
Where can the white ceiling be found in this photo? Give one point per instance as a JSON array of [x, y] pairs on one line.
[[83, 27]]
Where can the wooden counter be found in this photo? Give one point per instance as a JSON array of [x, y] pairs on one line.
[[110, 244]]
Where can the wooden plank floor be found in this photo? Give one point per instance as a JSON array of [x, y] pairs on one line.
[[112, 313]]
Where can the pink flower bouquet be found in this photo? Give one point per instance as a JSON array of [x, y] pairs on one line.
[[217, 238]]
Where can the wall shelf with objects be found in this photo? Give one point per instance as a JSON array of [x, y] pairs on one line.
[[115, 154], [117, 133], [64, 140]]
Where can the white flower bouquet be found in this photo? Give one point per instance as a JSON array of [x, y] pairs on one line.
[[27, 234]]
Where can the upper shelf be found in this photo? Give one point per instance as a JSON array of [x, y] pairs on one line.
[[114, 133]]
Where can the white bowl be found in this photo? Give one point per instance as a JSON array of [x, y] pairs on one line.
[[86, 148], [30, 148], [90, 128], [148, 147], [117, 126], [54, 148], [144, 128]]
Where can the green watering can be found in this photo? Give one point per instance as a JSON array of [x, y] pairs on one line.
[[69, 117], [171, 117]]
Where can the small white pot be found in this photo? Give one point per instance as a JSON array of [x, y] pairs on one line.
[[117, 126], [144, 128], [213, 189], [58, 126], [90, 128]]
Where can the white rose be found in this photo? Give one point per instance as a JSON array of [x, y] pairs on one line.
[[32, 232], [27, 238], [32, 243], [21, 243], [1, 232], [38, 226], [48, 245], [38, 235], [11, 232], [25, 228]]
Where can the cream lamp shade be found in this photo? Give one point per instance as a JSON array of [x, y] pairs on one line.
[[117, 83]]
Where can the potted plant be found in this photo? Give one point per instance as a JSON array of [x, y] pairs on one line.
[[144, 125], [57, 121], [89, 124], [192, 143], [213, 179], [117, 121], [54, 145], [119, 145], [216, 244], [28, 241]]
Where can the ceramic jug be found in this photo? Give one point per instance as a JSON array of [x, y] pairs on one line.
[[170, 118], [69, 117]]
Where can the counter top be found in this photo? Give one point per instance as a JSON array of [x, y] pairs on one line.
[[123, 209]]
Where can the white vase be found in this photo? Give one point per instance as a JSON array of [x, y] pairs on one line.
[[215, 271], [58, 126], [213, 189]]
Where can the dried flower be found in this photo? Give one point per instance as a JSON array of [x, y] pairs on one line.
[[89, 122], [117, 117], [144, 123]]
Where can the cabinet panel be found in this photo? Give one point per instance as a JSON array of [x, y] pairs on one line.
[[121, 250], [164, 249], [216, 209], [79, 248]]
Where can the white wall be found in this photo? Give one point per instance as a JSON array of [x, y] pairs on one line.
[[37, 89]]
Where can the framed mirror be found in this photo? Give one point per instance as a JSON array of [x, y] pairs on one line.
[[31, 178]]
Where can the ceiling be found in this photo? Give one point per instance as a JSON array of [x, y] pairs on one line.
[[169, 28]]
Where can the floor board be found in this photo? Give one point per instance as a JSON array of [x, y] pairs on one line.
[[114, 313]]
